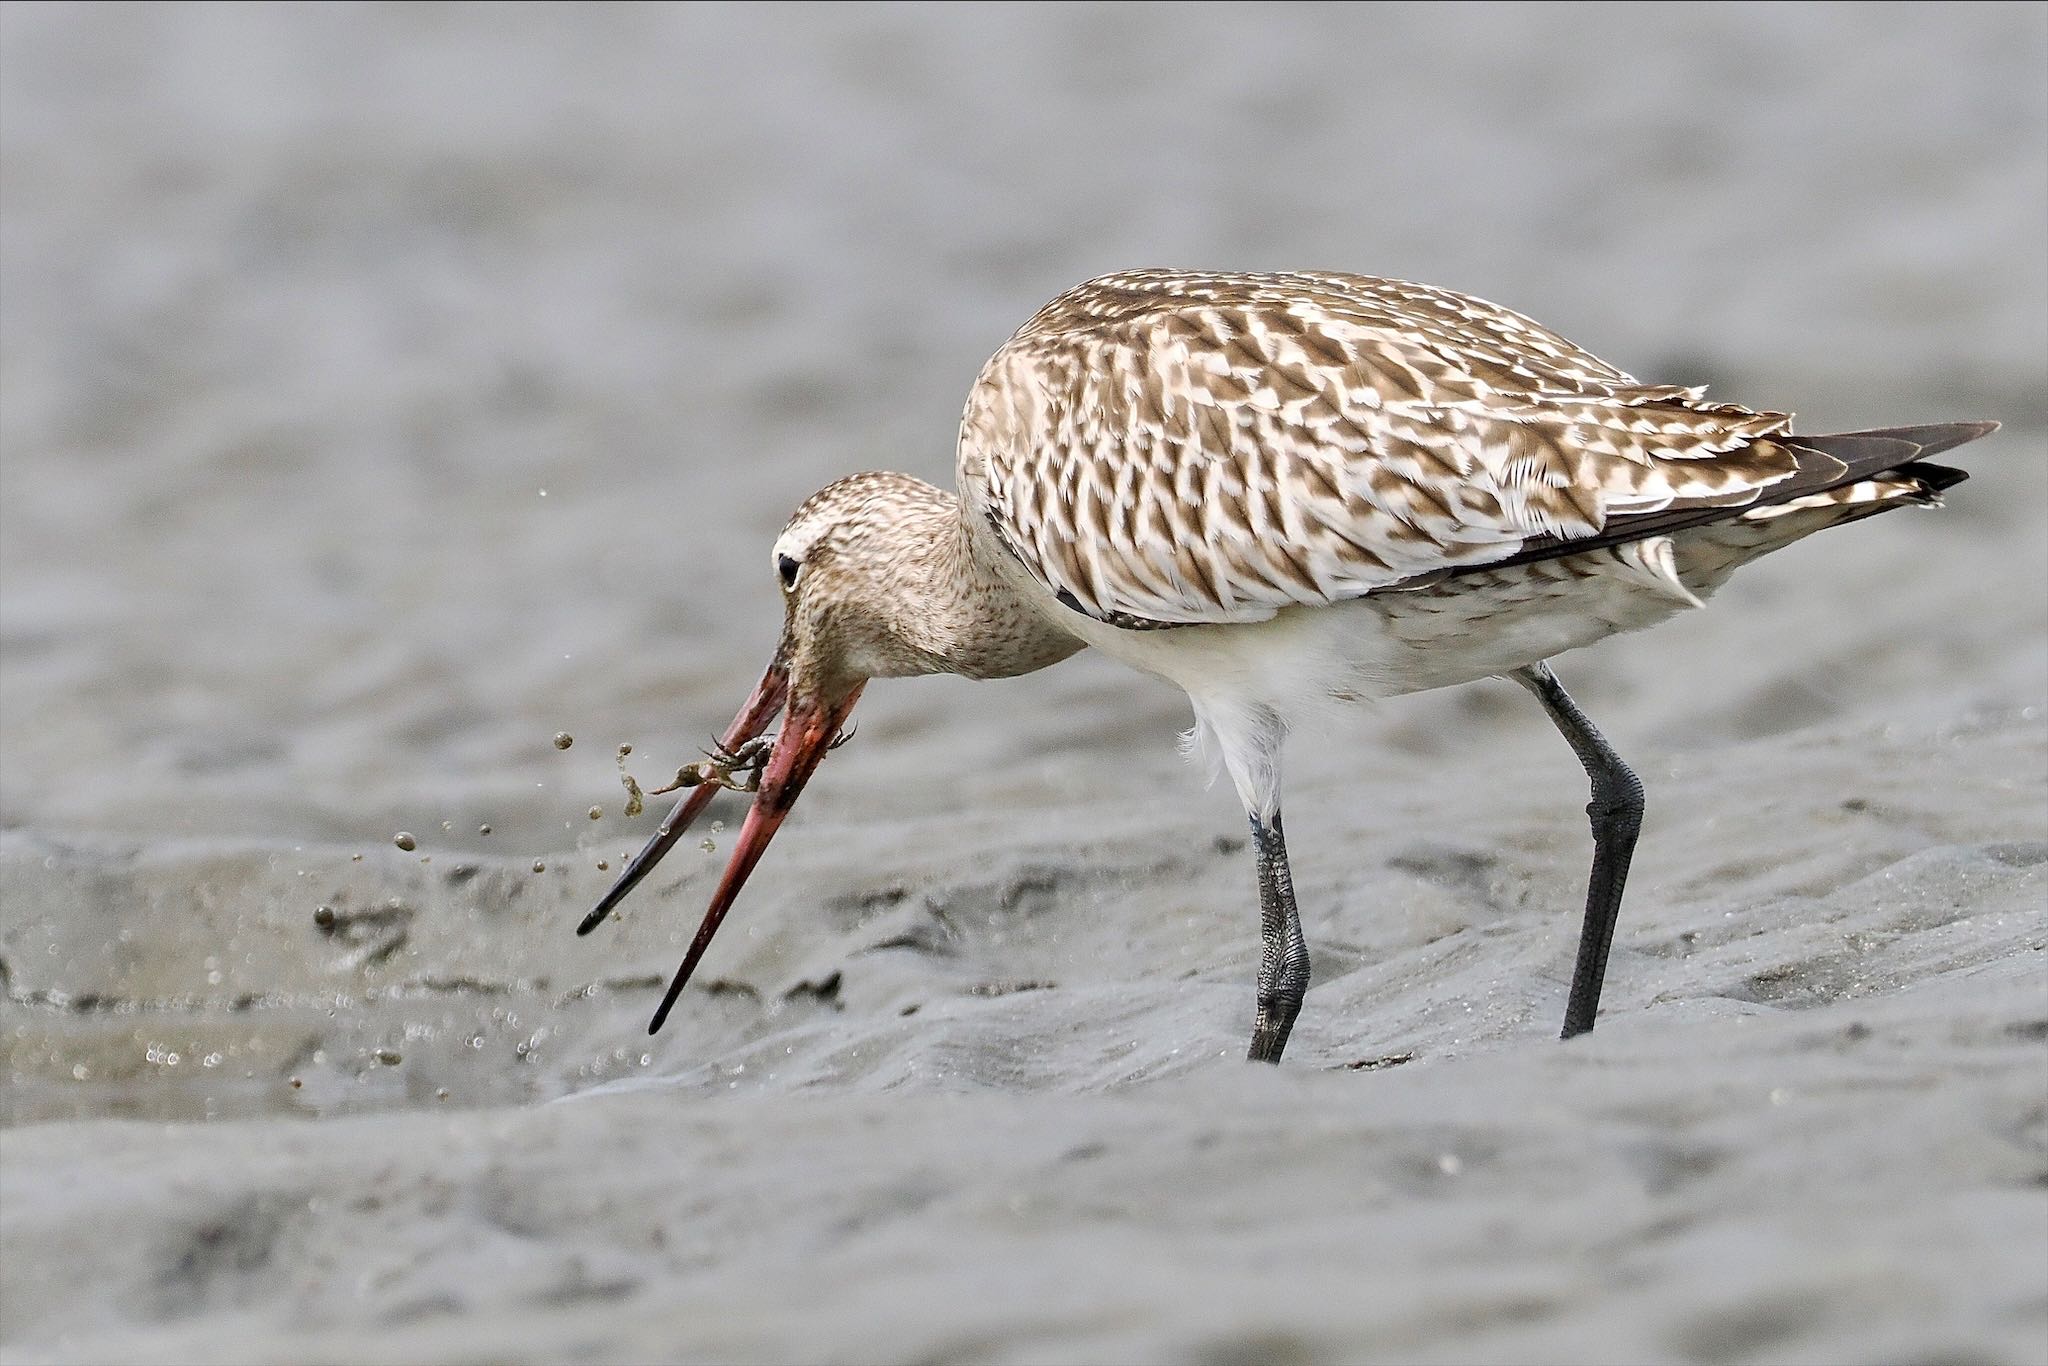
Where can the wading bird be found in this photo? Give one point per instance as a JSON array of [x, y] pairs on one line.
[[1284, 492]]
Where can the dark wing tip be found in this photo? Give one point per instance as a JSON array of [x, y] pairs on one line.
[[1935, 477], [1930, 438]]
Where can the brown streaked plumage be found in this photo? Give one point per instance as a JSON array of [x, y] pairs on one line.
[[1284, 492]]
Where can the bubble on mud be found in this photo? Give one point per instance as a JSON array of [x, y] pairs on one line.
[[709, 846], [604, 865], [323, 916], [597, 813], [404, 840], [355, 858], [718, 827], [539, 866], [624, 750], [390, 1057], [483, 829], [563, 739]]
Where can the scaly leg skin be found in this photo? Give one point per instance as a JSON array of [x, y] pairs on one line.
[[1283, 970], [1617, 815]]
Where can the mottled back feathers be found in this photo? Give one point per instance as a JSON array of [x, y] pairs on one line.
[[1162, 448]]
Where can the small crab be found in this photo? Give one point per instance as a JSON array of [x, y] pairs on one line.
[[736, 770]]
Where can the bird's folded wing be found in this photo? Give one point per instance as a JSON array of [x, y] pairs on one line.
[[1154, 459]]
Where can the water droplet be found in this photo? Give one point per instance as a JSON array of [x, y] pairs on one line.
[[483, 829], [563, 739], [539, 866], [404, 840], [597, 813]]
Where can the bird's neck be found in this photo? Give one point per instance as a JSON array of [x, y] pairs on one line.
[[956, 610]]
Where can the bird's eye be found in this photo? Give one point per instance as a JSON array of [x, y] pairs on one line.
[[787, 567]]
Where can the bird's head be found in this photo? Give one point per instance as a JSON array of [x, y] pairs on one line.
[[850, 566], [857, 566]]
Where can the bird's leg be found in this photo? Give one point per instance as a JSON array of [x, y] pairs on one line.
[[1283, 970], [1617, 814]]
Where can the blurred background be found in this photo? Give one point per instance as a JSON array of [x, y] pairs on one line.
[[386, 388]]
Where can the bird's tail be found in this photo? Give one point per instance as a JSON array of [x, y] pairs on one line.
[[1843, 477], [1859, 473]]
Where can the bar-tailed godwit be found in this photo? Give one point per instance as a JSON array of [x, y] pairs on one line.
[[1283, 493]]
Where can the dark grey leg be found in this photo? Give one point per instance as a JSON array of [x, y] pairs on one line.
[[1283, 970], [1617, 814]]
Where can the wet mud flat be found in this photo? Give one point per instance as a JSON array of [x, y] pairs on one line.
[[987, 1101]]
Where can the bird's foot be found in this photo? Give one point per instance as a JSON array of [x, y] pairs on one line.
[[1270, 1030]]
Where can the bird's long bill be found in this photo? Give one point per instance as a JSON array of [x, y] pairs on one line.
[[761, 708], [807, 733]]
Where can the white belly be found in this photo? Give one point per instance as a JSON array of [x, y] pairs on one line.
[[1252, 682], [1466, 628]]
